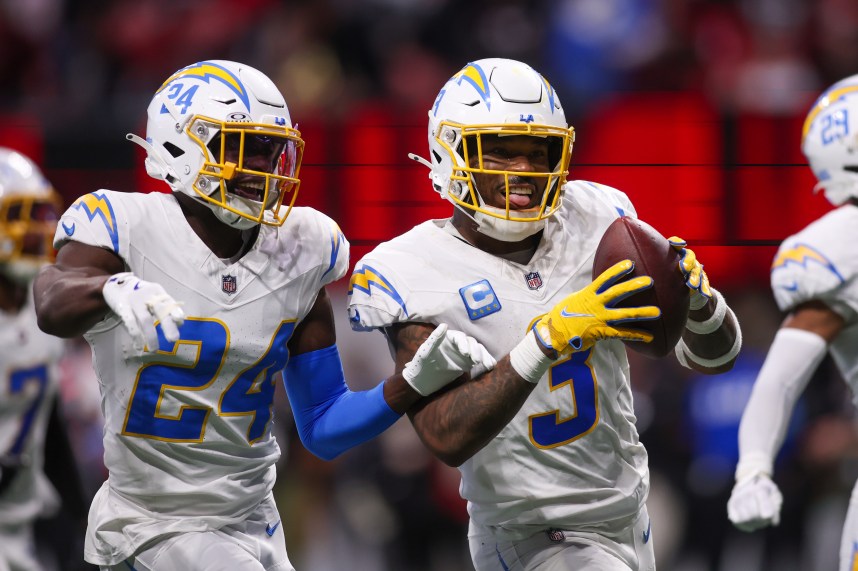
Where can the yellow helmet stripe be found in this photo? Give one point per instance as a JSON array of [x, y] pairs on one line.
[[822, 103], [207, 70]]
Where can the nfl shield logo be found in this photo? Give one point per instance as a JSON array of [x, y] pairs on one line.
[[534, 281], [228, 284]]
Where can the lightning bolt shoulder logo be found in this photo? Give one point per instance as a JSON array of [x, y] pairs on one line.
[[97, 205], [365, 279], [803, 255], [208, 71]]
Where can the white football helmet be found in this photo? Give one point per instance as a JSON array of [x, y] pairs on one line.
[[220, 132], [829, 140], [496, 97], [29, 210]]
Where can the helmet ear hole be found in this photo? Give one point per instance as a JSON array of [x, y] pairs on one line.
[[174, 150]]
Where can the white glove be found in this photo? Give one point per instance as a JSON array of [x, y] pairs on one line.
[[140, 305], [443, 357], [755, 503]]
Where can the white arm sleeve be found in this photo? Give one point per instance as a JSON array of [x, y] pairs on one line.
[[793, 357]]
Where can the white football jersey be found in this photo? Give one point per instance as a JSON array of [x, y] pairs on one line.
[[821, 263], [187, 429], [28, 385], [571, 457]]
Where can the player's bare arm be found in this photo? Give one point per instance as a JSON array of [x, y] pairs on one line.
[[459, 420], [68, 294], [816, 317]]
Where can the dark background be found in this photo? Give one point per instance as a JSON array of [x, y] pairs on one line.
[[693, 108]]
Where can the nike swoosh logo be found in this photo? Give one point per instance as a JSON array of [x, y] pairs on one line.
[[565, 313], [270, 529], [647, 532], [69, 230]]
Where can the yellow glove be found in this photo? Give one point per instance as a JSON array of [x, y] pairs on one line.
[[584, 317], [692, 271]]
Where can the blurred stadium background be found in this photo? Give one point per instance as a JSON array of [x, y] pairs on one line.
[[692, 107]]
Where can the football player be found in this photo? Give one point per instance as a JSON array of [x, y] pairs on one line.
[[192, 302], [551, 464], [813, 278], [29, 209]]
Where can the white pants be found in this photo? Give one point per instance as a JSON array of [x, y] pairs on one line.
[[849, 539], [556, 550], [255, 544], [17, 551]]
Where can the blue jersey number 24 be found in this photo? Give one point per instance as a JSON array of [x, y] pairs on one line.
[[250, 393]]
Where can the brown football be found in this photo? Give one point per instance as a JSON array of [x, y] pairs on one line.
[[629, 238]]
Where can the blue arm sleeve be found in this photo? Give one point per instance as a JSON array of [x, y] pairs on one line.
[[330, 417]]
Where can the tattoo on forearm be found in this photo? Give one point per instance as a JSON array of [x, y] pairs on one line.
[[474, 412]]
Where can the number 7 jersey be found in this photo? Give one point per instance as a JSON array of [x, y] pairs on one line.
[[571, 457], [187, 428]]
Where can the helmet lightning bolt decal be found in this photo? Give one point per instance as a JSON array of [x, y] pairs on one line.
[[95, 204], [474, 74], [207, 71], [550, 91]]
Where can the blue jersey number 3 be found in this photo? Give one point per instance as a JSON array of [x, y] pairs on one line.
[[548, 429]]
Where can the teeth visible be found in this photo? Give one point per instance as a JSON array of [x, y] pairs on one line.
[[517, 190]]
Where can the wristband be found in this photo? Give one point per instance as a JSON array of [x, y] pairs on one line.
[[714, 321], [528, 360], [684, 354]]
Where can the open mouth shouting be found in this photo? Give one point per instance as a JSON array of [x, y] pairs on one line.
[[250, 188]]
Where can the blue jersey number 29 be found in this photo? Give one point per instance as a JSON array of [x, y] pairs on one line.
[[548, 429], [250, 393]]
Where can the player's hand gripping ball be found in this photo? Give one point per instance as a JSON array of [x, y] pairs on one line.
[[695, 278], [632, 239], [592, 313]]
